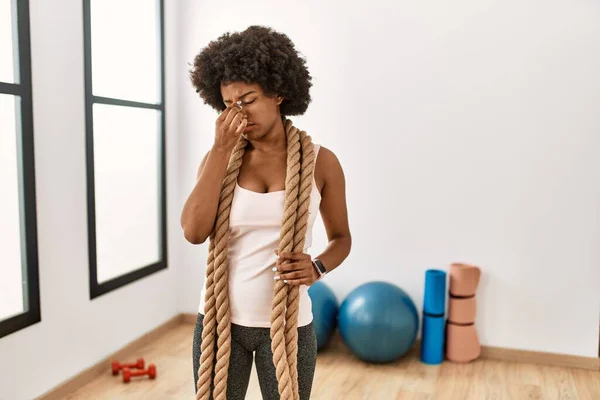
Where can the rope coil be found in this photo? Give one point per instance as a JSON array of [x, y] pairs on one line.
[[216, 334]]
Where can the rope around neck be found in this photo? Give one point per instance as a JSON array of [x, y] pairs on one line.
[[285, 305]]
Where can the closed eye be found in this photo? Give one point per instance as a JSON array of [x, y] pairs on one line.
[[227, 102]]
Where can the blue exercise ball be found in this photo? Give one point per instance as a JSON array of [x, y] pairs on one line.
[[378, 322], [324, 308]]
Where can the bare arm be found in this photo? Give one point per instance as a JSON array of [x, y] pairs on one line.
[[200, 209], [334, 210], [296, 268]]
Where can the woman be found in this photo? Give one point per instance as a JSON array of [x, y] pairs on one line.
[[255, 79]]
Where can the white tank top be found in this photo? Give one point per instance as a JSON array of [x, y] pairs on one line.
[[255, 225]]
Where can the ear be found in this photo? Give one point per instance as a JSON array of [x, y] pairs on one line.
[[279, 99]]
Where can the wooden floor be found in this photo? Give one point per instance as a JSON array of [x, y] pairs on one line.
[[340, 376]]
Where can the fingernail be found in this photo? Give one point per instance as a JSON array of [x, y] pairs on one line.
[[285, 281], [274, 269], [276, 277]]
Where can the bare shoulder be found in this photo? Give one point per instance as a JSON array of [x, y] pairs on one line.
[[327, 168]]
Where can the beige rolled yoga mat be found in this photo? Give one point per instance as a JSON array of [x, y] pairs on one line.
[[462, 341]]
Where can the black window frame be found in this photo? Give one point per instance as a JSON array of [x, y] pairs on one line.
[[99, 289], [27, 193]]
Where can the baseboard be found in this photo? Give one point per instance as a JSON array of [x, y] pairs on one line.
[[494, 353], [63, 390], [536, 357]]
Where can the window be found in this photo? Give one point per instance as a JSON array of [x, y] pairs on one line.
[[19, 283], [125, 133]]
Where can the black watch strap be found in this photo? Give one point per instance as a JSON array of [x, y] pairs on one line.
[[320, 267]]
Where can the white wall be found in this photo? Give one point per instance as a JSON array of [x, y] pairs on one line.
[[468, 132], [75, 333], [477, 123]]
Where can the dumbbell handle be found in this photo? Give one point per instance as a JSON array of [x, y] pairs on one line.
[[151, 372], [117, 366], [139, 373]]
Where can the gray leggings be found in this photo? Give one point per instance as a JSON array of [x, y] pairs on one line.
[[246, 342]]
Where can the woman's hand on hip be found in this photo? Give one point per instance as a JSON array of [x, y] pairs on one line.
[[295, 268]]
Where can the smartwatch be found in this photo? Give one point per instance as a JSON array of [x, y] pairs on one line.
[[319, 267]]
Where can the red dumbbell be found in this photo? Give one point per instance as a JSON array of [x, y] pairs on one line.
[[117, 366], [151, 372]]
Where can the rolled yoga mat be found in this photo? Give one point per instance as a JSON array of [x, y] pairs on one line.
[[435, 292], [434, 307], [432, 341], [462, 340]]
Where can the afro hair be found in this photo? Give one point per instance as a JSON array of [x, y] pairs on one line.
[[259, 55]]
